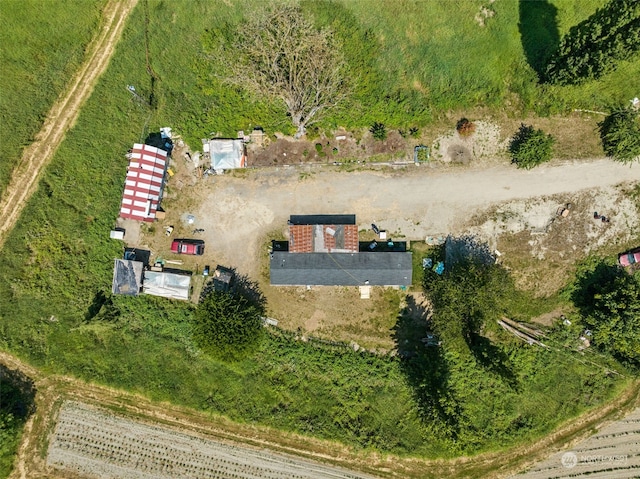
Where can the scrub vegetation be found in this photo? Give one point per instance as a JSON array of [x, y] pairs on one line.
[[410, 63], [43, 45]]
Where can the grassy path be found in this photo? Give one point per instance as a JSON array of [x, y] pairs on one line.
[[62, 116]]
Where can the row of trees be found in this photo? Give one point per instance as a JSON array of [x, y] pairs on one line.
[[472, 293], [593, 47]]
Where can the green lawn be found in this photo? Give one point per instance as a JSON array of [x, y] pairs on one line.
[[57, 262], [43, 43]]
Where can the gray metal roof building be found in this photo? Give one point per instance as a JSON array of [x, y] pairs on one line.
[[322, 219], [341, 269]]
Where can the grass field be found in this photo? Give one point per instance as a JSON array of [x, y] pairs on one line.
[[43, 45], [56, 265]]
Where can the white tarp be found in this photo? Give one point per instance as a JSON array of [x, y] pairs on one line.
[[226, 154], [167, 285]]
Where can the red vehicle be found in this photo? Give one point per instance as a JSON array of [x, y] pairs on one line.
[[188, 246], [629, 258]]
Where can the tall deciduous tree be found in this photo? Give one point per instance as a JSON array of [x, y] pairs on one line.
[[609, 302], [280, 54], [620, 134], [465, 297]]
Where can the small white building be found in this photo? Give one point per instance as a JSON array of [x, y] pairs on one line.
[[225, 153]]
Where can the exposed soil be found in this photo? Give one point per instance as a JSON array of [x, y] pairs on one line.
[[611, 453], [96, 442], [532, 232], [63, 114], [343, 146]]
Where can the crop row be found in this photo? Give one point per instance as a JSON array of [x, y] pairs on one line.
[[88, 440]]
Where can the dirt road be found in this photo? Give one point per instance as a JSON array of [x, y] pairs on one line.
[[62, 116], [413, 204]]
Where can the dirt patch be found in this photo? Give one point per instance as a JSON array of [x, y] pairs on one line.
[[483, 145], [95, 442], [340, 147], [611, 452], [554, 243], [337, 314]]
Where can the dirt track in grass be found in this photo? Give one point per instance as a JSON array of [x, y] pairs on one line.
[[62, 116]]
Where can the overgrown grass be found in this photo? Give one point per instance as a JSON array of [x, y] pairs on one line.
[[57, 264], [408, 63], [43, 45]]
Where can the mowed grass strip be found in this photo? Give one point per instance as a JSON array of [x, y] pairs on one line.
[[43, 44]]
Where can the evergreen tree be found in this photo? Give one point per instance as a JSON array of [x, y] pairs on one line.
[[592, 48], [620, 134], [530, 147]]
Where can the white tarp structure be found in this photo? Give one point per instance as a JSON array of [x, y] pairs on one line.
[[226, 154], [167, 285]]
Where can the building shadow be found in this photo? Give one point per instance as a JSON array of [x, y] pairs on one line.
[[539, 34]]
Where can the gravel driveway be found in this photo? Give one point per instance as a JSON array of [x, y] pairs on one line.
[[238, 211]]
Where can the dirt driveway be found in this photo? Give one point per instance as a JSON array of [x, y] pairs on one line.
[[238, 212]]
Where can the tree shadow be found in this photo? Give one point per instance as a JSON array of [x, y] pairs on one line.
[[591, 282], [423, 364], [100, 299], [17, 393], [239, 285], [493, 359], [539, 34], [466, 248]]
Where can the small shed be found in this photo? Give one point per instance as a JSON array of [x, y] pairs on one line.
[[127, 277], [222, 278], [226, 153]]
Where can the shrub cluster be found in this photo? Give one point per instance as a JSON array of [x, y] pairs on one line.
[[530, 147], [620, 134], [465, 128], [592, 47]]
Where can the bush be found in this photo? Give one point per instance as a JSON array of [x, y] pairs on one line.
[[379, 131], [530, 147], [620, 134], [465, 128]]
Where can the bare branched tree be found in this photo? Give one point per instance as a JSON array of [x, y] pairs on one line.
[[280, 54]]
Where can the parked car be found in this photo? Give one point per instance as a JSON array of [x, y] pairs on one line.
[[188, 246], [629, 258]]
